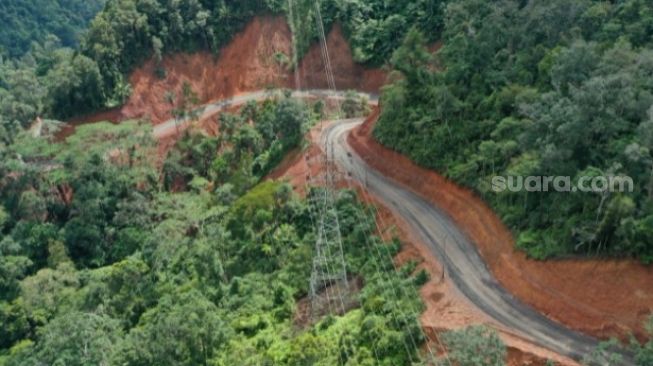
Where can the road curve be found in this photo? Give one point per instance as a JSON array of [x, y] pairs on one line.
[[458, 253], [173, 126]]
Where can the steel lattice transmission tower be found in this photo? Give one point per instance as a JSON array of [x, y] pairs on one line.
[[329, 273]]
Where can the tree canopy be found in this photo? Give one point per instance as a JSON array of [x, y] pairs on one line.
[[24, 22], [558, 88]]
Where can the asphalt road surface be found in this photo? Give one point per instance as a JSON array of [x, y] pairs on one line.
[[459, 255], [463, 264]]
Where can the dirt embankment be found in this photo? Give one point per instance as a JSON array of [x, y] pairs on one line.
[[252, 61], [603, 298], [347, 73], [445, 308], [247, 63]]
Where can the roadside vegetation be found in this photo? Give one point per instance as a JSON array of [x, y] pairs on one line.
[[108, 256], [105, 259], [555, 88], [604, 355]]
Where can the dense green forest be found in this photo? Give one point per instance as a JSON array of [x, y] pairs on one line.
[[24, 22], [107, 259], [56, 81], [109, 256], [537, 88]]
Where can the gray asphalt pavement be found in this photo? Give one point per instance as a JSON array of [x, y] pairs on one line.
[[464, 265]]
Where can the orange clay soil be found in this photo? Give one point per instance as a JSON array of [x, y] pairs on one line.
[[248, 63], [347, 73], [445, 308], [603, 298]]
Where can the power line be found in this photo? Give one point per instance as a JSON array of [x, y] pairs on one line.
[[293, 30], [327, 222], [329, 149], [405, 294], [397, 293]]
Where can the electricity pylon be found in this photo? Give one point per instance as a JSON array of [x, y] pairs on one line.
[[329, 267]]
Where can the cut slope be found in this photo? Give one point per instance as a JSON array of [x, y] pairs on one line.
[[601, 298], [347, 73], [256, 59], [247, 63]]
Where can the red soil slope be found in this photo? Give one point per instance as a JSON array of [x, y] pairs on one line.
[[347, 73], [602, 298], [445, 308], [247, 64]]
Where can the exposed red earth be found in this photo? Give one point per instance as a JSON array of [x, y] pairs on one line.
[[347, 73], [602, 298], [246, 64], [446, 309]]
